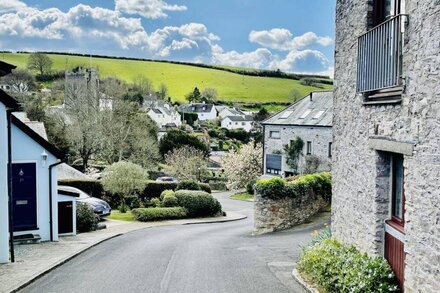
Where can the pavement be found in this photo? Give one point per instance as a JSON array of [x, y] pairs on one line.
[[212, 257], [34, 260]]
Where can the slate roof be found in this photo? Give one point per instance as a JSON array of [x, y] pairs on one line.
[[8, 101], [234, 111], [315, 109], [196, 108], [157, 111], [240, 118], [6, 68]]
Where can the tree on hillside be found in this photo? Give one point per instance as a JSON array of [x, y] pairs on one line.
[[142, 85], [186, 163], [163, 91], [124, 179], [209, 95], [244, 165], [40, 62], [194, 96], [177, 138], [294, 95], [262, 114]]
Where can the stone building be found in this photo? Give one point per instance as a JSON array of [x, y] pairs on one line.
[[386, 159], [80, 84], [309, 119]]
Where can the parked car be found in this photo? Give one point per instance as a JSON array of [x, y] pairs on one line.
[[99, 206], [166, 179]]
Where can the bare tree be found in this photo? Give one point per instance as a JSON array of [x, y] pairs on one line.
[[41, 62], [163, 91], [143, 85], [294, 95], [210, 95], [186, 163]]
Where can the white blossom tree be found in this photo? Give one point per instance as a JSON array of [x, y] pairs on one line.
[[186, 163], [243, 165]]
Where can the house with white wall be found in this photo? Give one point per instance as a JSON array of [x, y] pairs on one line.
[[164, 114], [203, 111], [224, 111], [245, 122], [310, 120], [7, 104]]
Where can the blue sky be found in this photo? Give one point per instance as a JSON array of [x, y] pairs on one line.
[[292, 35]]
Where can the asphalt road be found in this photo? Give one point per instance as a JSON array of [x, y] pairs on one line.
[[205, 258]]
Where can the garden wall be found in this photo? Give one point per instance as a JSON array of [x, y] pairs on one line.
[[290, 203]]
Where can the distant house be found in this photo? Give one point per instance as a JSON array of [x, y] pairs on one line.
[[224, 111], [164, 115], [245, 122], [203, 111], [309, 119]]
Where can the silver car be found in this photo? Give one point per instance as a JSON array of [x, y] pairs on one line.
[[99, 206]]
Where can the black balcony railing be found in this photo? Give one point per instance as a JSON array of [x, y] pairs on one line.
[[380, 56]]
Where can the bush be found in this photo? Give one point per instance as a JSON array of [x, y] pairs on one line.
[[339, 268], [205, 187], [86, 220], [188, 185], [170, 200], [90, 186], [155, 188], [299, 186], [198, 203], [250, 186], [218, 185], [157, 214], [165, 193], [271, 188], [155, 202]]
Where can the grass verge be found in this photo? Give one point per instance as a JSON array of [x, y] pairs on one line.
[[243, 196]]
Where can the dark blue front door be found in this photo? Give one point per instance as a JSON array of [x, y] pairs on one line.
[[24, 196]]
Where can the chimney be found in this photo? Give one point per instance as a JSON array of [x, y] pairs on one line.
[[311, 96]]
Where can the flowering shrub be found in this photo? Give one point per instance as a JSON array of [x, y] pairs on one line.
[[339, 268], [244, 165]]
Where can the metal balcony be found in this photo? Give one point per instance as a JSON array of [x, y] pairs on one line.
[[380, 56]]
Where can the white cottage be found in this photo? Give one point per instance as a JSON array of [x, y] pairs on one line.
[[7, 104], [245, 122], [203, 111]]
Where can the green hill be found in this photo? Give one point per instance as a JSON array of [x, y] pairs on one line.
[[181, 79]]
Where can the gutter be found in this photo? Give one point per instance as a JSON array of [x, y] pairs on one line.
[[10, 205], [51, 196]]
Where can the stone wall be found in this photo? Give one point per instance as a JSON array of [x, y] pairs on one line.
[[319, 136], [360, 200], [279, 214]]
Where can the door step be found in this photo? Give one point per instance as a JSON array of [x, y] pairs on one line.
[[27, 239]]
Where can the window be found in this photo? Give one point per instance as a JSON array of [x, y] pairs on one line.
[[243, 123], [384, 10], [273, 164], [286, 114], [397, 190], [275, 134], [305, 114], [309, 147], [318, 114], [330, 149]]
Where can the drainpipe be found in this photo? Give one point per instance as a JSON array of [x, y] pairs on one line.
[[50, 197], [10, 205], [264, 151]]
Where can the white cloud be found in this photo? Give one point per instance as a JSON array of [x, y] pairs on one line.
[[147, 8], [260, 58], [11, 5], [282, 39]]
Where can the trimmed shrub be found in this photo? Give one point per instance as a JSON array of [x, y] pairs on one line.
[[170, 200], [155, 202], [86, 220], [205, 187], [157, 214], [198, 203], [339, 268], [90, 186], [188, 185], [218, 185], [299, 186], [167, 192], [155, 188], [271, 188]]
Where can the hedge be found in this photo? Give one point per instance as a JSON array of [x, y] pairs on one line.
[[205, 187], [319, 184], [158, 214], [221, 186], [155, 188], [338, 268], [198, 203], [92, 187]]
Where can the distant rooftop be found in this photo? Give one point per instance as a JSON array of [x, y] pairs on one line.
[[197, 108], [315, 109]]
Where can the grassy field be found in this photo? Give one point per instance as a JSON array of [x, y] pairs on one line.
[[243, 196], [181, 79]]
